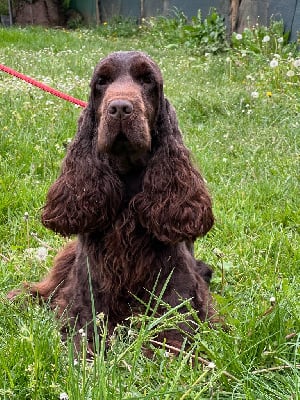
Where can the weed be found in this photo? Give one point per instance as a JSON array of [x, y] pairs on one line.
[[208, 35], [197, 35]]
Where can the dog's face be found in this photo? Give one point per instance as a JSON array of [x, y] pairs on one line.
[[125, 90]]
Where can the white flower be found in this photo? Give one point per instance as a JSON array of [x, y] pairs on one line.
[[290, 73], [211, 365], [218, 252], [82, 332], [254, 95], [238, 36], [266, 39], [41, 253], [100, 316], [273, 63], [280, 40], [63, 396], [272, 301], [297, 63]]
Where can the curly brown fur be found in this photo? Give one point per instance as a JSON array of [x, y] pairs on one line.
[[129, 191]]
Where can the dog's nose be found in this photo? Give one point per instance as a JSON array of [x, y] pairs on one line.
[[120, 108]]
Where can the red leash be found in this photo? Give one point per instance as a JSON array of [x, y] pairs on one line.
[[42, 86]]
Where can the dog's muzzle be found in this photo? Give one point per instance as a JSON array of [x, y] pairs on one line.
[[123, 128]]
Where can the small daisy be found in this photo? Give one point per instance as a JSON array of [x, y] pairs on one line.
[[266, 39], [273, 63], [272, 301], [41, 253], [254, 95], [218, 253], [280, 40], [290, 73], [238, 36], [63, 396], [297, 63], [82, 332]]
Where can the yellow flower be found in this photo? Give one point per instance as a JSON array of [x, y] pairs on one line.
[[269, 94]]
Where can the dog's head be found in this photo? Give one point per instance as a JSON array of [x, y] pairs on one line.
[[126, 90]]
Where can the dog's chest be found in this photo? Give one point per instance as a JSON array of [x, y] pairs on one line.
[[133, 183]]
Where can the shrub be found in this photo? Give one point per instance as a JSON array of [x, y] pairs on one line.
[[199, 36], [3, 7], [208, 35]]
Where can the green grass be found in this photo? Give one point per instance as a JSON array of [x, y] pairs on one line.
[[248, 150]]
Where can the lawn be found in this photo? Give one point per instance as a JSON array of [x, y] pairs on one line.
[[239, 113]]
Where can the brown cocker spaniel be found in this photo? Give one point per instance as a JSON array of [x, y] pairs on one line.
[[130, 193]]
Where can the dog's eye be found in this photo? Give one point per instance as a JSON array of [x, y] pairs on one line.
[[145, 79], [102, 81]]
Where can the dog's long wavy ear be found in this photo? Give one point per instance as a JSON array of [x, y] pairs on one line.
[[174, 204], [87, 193]]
